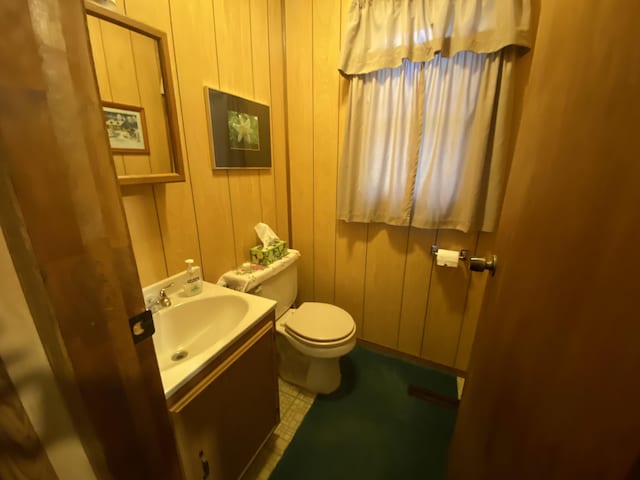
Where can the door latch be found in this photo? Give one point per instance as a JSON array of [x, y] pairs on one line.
[[142, 326]]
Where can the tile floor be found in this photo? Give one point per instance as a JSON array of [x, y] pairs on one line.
[[295, 402]]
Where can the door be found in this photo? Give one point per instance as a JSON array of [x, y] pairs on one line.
[[553, 390], [62, 217]]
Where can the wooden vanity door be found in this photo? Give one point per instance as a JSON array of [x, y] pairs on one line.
[[231, 412]]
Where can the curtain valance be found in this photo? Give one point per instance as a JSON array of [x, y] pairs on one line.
[[381, 33]]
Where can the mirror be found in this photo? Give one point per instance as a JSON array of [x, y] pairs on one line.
[[138, 101]]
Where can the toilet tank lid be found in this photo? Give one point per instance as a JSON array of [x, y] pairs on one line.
[[321, 322], [247, 281]]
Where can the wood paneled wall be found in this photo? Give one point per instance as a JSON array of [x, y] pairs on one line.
[[235, 46], [128, 71], [383, 275]]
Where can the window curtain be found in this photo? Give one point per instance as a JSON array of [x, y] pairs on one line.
[[426, 143], [381, 33]]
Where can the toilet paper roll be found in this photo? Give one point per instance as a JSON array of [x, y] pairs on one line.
[[447, 258]]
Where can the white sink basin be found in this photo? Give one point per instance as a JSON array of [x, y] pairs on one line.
[[194, 330], [192, 327]]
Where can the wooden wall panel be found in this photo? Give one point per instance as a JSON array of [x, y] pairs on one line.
[[196, 48], [139, 206], [278, 116], [149, 79], [239, 47], [299, 68], [384, 276], [236, 47], [173, 204], [477, 285], [123, 81], [102, 74], [351, 238], [386, 256], [350, 266], [417, 276], [447, 299], [235, 71], [326, 42], [262, 94]]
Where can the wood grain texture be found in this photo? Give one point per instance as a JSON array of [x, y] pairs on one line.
[[415, 293], [166, 209], [234, 411], [421, 309], [262, 94], [326, 41], [447, 301], [351, 257], [123, 82], [475, 296], [552, 390], [149, 79], [102, 73], [235, 62], [225, 45], [22, 456], [299, 68], [140, 209], [384, 276], [78, 241], [196, 51], [278, 117]]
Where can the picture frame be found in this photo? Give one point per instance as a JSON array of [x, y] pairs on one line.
[[239, 131], [126, 128]]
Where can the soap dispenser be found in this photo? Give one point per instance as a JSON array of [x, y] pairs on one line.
[[193, 285]]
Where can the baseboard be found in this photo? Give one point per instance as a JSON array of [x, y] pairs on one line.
[[412, 358]]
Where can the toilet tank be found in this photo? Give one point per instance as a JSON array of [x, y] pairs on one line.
[[281, 287]]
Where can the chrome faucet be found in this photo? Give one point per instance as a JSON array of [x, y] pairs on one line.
[[162, 300]]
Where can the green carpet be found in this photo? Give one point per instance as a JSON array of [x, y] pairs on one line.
[[371, 428]]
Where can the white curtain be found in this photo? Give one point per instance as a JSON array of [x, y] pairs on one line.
[[382, 139], [463, 160], [381, 33], [421, 147], [426, 143]]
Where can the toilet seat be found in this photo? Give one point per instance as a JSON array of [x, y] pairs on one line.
[[320, 324]]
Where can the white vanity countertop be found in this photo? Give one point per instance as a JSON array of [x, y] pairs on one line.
[[204, 329]]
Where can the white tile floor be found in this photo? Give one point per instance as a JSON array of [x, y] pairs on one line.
[[295, 402]]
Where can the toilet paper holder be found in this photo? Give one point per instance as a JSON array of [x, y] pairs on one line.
[[464, 253], [476, 264]]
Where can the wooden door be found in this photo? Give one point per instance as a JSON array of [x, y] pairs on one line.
[[62, 216], [553, 390]]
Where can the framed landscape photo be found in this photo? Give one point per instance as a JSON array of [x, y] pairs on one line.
[[126, 128], [239, 131]]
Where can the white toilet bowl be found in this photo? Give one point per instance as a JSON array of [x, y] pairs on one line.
[[310, 339], [310, 342]]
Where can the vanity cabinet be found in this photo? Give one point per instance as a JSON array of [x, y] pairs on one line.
[[223, 415]]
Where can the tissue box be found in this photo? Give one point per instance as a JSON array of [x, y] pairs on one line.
[[266, 256]]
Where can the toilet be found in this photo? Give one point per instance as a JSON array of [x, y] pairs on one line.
[[311, 338]]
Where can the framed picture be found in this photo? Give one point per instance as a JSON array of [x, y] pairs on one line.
[[238, 130], [126, 128]]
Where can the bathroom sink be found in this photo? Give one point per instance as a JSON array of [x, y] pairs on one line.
[[190, 328], [195, 330]]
